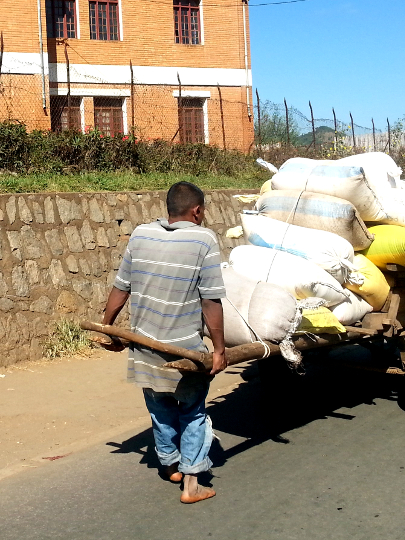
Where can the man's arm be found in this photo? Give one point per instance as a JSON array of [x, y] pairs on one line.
[[115, 303], [214, 319]]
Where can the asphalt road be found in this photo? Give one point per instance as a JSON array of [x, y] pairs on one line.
[[314, 458]]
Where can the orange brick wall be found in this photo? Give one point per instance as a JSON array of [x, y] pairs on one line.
[[148, 40]]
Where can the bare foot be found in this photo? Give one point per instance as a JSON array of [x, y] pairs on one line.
[[193, 492], [173, 474]]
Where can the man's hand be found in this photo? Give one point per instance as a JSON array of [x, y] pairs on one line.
[[218, 363]]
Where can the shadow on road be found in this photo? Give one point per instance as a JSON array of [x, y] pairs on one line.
[[274, 400]]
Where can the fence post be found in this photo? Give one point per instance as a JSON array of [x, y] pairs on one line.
[[259, 123], [353, 135], [132, 100], [287, 124], [180, 130], [69, 104], [313, 127], [335, 122], [1, 51], [389, 136], [374, 145], [222, 116]]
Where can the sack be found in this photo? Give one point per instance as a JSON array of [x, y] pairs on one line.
[[265, 187], [380, 169], [301, 278], [268, 309], [332, 178], [316, 211], [320, 321], [352, 309], [375, 288], [328, 250], [388, 246]]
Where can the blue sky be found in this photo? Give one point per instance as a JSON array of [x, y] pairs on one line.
[[349, 55]]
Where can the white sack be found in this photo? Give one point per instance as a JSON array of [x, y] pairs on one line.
[[301, 278], [328, 250], [270, 310], [332, 178], [381, 171], [316, 211], [351, 310]]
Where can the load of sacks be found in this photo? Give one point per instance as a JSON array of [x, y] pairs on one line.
[[327, 229]]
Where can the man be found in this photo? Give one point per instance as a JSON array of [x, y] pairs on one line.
[[171, 270]]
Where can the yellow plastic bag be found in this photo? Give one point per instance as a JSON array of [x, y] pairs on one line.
[[320, 321], [265, 187], [388, 245], [375, 288]]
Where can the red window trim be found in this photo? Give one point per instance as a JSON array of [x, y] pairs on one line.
[[191, 109], [178, 7], [53, 22], [107, 2]]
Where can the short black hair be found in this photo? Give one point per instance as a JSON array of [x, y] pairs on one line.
[[181, 197]]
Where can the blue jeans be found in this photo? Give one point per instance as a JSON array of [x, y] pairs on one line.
[[181, 428]]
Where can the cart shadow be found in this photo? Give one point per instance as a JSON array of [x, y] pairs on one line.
[[274, 400]]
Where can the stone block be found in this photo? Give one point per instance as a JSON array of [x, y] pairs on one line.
[[76, 210], [73, 239], [126, 228], [95, 265], [53, 239], [87, 235], [84, 267], [19, 281], [5, 305], [42, 305], [3, 286], [94, 211], [112, 237], [154, 212], [134, 197], [15, 243], [66, 302], [1, 249], [72, 265], [11, 209], [119, 214], [102, 259], [57, 274], [116, 257], [23, 211], [49, 211], [24, 326], [38, 213], [64, 208], [102, 239], [32, 248], [32, 271], [100, 293], [1, 215], [85, 206], [134, 215], [122, 197], [111, 199], [111, 278], [83, 288], [107, 213]]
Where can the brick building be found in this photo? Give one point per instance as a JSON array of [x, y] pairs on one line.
[[172, 69]]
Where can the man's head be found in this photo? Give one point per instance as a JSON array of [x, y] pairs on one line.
[[185, 202]]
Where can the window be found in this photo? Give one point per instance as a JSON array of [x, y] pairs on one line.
[[61, 18], [104, 22], [60, 119], [187, 22], [191, 120], [108, 116]]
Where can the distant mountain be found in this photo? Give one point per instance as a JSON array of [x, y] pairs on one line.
[[323, 134]]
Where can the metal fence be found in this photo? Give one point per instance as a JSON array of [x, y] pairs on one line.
[[278, 124]]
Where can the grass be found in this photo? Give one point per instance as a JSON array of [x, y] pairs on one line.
[[66, 339], [124, 181]]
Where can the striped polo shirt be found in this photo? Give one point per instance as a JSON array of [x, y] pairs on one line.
[[168, 269]]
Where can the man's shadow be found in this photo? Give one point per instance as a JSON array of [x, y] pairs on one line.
[[273, 399]]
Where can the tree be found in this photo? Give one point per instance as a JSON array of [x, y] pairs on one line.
[[273, 126]]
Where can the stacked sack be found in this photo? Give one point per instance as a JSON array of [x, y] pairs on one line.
[[309, 235]]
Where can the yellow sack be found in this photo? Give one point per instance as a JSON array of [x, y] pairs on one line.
[[265, 187], [320, 321], [388, 245], [375, 288]]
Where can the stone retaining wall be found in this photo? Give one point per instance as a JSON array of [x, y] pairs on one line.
[[59, 254]]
